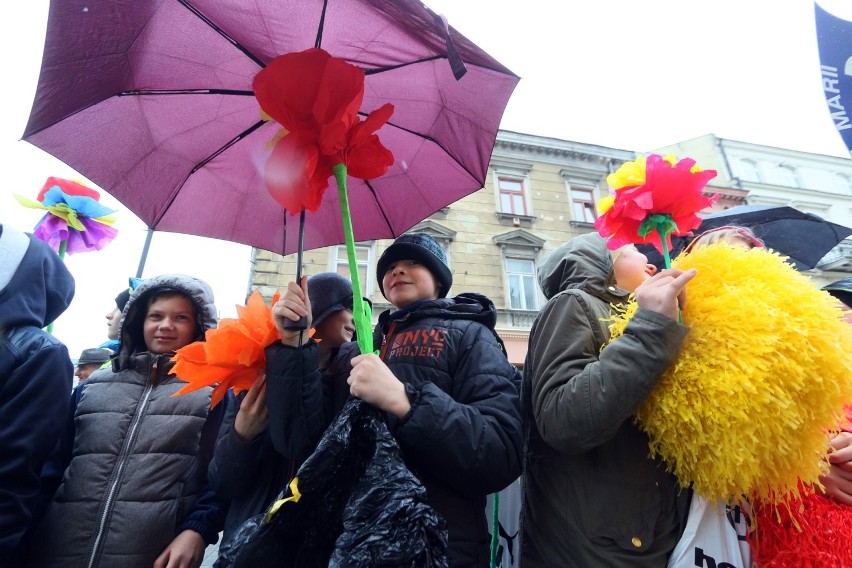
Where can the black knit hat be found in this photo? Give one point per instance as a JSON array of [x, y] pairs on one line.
[[121, 299], [329, 292], [425, 250]]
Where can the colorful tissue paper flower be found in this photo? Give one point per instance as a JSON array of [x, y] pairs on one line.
[[759, 381], [232, 355], [316, 97], [74, 216], [649, 192]]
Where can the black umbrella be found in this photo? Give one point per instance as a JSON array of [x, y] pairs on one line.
[[803, 237], [842, 290]]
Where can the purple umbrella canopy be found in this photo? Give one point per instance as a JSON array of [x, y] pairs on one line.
[[152, 101]]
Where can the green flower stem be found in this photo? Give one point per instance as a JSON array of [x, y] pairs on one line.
[[661, 229], [63, 246], [359, 310], [664, 231]]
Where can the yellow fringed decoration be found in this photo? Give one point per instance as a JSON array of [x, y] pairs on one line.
[[760, 379]]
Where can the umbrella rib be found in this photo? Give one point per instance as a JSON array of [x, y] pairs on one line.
[[204, 162], [318, 41], [141, 92], [376, 70], [227, 145], [437, 143], [219, 31], [381, 209]]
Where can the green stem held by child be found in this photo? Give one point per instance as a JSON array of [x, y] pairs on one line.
[[359, 310]]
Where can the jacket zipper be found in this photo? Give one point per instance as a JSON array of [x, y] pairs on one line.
[[122, 462], [386, 340]]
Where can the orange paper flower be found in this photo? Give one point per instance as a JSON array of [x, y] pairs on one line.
[[233, 355]]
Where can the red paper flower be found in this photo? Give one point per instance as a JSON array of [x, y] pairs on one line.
[[316, 98], [653, 186], [233, 354]]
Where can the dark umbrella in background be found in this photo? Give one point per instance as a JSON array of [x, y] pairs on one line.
[[841, 289], [152, 101], [803, 237]]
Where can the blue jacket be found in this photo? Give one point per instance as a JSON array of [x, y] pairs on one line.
[[35, 376]]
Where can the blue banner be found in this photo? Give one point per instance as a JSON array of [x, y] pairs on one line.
[[834, 40]]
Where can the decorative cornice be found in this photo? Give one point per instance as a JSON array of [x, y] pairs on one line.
[[541, 145], [434, 229], [518, 238]]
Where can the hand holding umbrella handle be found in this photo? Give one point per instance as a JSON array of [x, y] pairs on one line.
[[301, 323]]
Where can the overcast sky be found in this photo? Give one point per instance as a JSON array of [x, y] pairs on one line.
[[618, 73]]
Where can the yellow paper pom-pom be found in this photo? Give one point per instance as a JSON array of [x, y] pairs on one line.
[[761, 378]]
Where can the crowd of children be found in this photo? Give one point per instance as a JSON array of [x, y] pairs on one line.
[[145, 478]]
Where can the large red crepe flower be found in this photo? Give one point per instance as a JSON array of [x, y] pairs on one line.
[[653, 186], [233, 354], [316, 98]]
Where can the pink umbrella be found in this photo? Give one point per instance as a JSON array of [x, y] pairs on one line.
[[152, 100]]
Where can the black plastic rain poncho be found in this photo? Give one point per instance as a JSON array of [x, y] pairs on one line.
[[353, 503]]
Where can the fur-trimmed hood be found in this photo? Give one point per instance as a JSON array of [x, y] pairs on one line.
[[130, 332]]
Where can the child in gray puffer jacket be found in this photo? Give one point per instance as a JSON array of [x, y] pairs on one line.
[[135, 492]]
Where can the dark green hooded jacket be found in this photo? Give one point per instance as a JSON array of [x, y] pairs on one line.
[[592, 496]]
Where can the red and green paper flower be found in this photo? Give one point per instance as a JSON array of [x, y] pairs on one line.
[[316, 98], [652, 199]]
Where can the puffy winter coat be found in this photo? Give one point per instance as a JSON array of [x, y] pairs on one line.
[[463, 434], [140, 455], [592, 497]]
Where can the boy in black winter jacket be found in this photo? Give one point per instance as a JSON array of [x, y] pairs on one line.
[[449, 393]]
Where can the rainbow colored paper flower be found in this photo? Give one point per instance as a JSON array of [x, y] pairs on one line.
[[316, 98], [74, 217], [651, 197], [233, 355]]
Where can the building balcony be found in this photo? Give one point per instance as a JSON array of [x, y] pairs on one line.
[[515, 319]]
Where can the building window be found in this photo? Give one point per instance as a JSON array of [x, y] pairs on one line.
[[366, 265], [520, 274], [844, 183], [512, 196], [787, 176], [583, 201], [749, 171]]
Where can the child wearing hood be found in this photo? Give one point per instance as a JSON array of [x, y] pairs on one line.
[[592, 496], [35, 378], [441, 377], [134, 492]]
